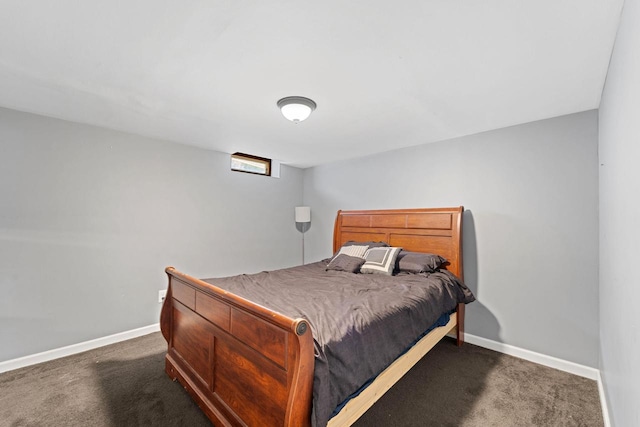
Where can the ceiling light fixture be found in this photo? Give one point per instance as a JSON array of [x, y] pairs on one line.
[[296, 108]]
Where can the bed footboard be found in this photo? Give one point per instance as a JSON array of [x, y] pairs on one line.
[[244, 364]]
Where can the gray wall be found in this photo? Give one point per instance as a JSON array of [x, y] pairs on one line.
[[89, 218], [619, 218], [530, 231]]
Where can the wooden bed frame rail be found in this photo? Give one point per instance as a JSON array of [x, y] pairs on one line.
[[246, 365]]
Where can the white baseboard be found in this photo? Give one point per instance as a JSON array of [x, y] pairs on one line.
[[57, 353], [532, 356], [603, 402]]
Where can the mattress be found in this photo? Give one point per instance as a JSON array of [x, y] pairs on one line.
[[360, 322]]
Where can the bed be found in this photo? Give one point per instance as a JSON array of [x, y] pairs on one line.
[[248, 360]]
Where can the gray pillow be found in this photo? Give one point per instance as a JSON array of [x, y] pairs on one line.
[[380, 261], [417, 262], [342, 262]]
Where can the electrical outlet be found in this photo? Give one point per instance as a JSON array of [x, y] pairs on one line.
[[162, 295]]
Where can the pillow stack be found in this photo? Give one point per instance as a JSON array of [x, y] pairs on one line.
[[365, 257], [380, 258]]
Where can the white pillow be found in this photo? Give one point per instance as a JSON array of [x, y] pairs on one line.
[[380, 261]]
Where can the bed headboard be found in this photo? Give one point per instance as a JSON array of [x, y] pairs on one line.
[[433, 230]]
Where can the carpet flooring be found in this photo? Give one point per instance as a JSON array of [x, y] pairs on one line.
[[124, 384]]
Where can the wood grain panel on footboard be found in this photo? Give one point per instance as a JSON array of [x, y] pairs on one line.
[[242, 363]]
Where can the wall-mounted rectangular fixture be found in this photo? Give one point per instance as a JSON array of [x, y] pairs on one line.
[[241, 162]]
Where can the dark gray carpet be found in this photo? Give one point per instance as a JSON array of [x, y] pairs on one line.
[[125, 385]]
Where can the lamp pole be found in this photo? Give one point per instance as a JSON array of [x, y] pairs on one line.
[[303, 227], [303, 223]]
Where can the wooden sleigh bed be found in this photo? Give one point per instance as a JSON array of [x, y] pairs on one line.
[[246, 365]]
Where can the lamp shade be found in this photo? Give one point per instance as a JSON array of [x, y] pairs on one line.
[[296, 108], [303, 214]]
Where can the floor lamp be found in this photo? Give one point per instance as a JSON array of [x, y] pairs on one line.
[[303, 223]]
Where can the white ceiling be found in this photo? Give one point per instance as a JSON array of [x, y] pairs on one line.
[[384, 74]]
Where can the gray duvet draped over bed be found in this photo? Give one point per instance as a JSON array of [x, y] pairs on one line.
[[360, 322]]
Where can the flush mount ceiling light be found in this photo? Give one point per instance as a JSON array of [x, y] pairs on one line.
[[296, 108]]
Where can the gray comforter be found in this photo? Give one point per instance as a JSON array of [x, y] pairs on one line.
[[360, 322]]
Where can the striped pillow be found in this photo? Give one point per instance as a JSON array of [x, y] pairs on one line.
[[355, 250], [380, 261]]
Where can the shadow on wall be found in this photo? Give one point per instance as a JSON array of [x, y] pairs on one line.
[[478, 319], [137, 392]]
